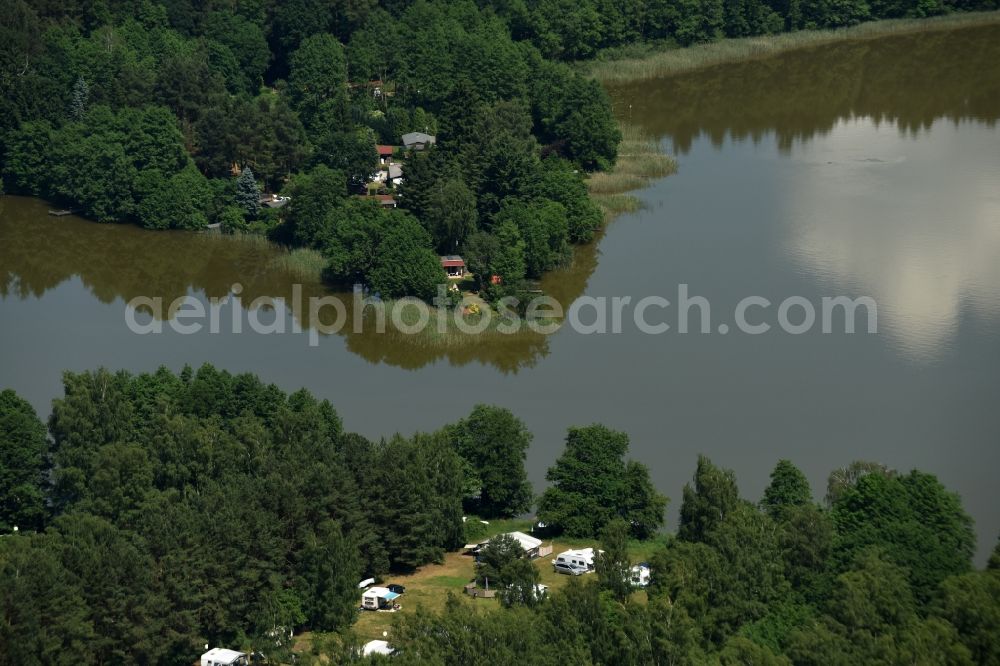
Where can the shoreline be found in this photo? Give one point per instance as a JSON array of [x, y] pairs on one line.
[[667, 62]]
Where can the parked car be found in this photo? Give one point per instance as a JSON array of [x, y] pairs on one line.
[[398, 589], [568, 568]]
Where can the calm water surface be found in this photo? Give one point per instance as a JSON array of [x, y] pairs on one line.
[[863, 168]]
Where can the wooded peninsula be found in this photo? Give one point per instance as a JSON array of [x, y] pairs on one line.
[[376, 138]]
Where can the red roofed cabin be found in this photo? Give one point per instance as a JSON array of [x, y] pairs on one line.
[[384, 154], [453, 265]]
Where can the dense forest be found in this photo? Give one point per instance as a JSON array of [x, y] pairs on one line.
[[158, 512], [181, 114]]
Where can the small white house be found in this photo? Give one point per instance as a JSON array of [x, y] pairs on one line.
[[224, 657], [378, 598], [583, 557], [376, 647], [640, 575]]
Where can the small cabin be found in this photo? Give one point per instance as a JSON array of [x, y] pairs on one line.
[[384, 154], [418, 140], [224, 657], [453, 265]]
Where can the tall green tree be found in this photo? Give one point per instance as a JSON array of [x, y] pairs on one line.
[[315, 195], [329, 573], [920, 526], [503, 565], [495, 444], [451, 213], [544, 227], [713, 496], [614, 570], [590, 484], [44, 618], [317, 76], [788, 488], [970, 602], [247, 193], [23, 465]]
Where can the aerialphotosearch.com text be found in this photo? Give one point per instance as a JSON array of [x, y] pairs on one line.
[[682, 313]]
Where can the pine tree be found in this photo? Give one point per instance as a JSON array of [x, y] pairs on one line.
[[81, 95], [248, 194], [706, 504], [789, 488]]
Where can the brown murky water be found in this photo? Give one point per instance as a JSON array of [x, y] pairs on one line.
[[862, 168]]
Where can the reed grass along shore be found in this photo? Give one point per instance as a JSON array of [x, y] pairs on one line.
[[677, 60]]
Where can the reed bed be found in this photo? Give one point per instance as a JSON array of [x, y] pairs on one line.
[[640, 160], [678, 60], [613, 205], [305, 264], [251, 240]]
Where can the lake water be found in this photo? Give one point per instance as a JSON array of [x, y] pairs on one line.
[[867, 168]]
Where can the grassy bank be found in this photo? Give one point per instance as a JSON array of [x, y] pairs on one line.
[[639, 161], [677, 60]]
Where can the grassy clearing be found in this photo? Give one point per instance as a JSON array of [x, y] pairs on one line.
[[639, 161], [428, 588], [676, 60]]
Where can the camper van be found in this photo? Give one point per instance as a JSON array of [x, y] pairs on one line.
[[379, 598], [224, 657], [640, 575], [569, 569], [578, 560]]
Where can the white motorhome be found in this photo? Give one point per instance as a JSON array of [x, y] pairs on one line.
[[378, 598], [640, 575], [582, 559], [224, 657]]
